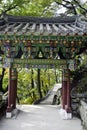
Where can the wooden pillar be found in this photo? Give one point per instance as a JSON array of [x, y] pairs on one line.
[[64, 90], [9, 107], [12, 89], [68, 108], [14, 86]]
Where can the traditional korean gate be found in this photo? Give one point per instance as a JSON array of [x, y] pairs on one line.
[[29, 42]]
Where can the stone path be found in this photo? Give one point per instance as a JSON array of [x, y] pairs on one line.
[[39, 117], [49, 99]]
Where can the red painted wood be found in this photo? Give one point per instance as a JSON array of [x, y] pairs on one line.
[[9, 107], [12, 92], [64, 94], [68, 108]]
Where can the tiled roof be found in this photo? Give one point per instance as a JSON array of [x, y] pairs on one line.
[[42, 26]]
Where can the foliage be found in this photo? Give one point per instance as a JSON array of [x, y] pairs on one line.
[[25, 90], [42, 7], [80, 75], [3, 79]]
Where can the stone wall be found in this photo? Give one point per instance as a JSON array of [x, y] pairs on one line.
[[83, 114]]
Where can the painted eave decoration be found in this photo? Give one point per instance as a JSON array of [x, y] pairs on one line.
[[25, 37]]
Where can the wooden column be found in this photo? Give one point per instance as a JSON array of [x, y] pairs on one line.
[[12, 89], [68, 108], [64, 90], [14, 86], [9, 107]]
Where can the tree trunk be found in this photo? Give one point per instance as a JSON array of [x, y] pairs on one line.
[[49, 78], [56, 75], [32, 82], [44, 90], [39, 83]]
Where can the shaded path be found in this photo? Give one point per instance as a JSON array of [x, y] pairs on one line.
[[39, 117], [48, 100]]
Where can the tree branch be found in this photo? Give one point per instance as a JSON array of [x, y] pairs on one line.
[[80, 5], [10, 8], [72, 7], [46, 9]]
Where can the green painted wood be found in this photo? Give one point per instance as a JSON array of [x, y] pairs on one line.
[[37, 63], [44, 47], [38, 38]]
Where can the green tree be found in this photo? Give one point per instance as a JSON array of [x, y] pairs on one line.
[[43, 8]]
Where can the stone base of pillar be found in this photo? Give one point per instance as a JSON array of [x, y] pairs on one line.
[[68, 115], [8, 114], [11, 114], [65, 115]]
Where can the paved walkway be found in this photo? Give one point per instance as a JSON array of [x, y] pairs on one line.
[[49, 99], [39, 117]]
